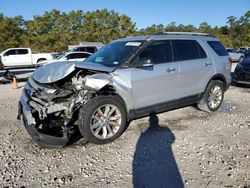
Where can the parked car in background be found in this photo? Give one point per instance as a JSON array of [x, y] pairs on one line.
[[244, 48], [72, 56], [242, 72], [235, 55], [245, 52], [125, 80], [22, 58], [55, 55], [90, 47]]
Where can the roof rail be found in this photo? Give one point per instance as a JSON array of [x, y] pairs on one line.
[[184, 33]]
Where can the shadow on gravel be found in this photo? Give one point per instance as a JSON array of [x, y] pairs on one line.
[[154, 163]]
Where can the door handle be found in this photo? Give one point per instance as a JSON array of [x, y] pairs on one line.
[[207, 64], [171, 70]]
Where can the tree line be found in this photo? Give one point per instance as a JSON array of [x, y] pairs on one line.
[[54, 30]]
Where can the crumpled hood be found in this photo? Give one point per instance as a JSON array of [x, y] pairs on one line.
[[56, 71]]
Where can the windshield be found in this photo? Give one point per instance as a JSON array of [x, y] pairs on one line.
[[60, 56], [114, 53], [232, 50]]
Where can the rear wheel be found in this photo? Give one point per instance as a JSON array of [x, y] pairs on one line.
[[103, 119], [213, 97]]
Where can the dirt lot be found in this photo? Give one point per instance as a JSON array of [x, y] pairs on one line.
[[184, 147]]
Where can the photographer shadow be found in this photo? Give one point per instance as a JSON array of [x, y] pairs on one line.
[[154, 163]]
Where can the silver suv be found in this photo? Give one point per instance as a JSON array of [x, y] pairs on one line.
[[127, 79]]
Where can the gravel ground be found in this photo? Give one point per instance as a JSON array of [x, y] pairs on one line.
[[184, 147]]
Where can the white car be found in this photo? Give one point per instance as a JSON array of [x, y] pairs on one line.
[[235, 56], [22, 57], [244, 48], [72, 56]]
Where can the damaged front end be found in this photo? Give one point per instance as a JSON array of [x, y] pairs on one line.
[[50, 101]]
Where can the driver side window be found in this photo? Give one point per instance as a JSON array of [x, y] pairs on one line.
[[158, 52], [10, 52]]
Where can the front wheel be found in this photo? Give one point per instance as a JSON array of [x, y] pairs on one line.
[[213, 97], [103, 119]]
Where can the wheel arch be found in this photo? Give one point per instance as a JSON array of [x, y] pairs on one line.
[[110, 90], [219, 77], [41, 59]]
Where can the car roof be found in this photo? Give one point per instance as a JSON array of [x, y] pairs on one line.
[[77, 52], [170, 35]]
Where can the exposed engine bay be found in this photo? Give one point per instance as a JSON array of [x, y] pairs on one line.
[[50, 110]]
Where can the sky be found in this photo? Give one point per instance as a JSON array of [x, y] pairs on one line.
[[144, 13]]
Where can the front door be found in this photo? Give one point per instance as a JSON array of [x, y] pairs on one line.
[[9, 58]]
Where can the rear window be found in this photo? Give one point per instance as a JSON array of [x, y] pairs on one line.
[[218, 48], [188, 50]]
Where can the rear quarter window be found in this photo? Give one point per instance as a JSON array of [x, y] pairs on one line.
[[218, 48]]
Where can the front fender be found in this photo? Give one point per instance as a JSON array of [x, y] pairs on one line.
[[98, 81]]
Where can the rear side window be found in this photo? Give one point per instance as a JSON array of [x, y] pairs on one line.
[[218, 48], [158, 52], [187, 50], [22, 51]]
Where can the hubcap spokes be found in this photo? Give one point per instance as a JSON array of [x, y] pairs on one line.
[[215, 97], [105, 121]]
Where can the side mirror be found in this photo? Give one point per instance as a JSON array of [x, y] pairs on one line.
[[144, 62]]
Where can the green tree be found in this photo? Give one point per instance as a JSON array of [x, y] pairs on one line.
[[55, 30], [205, 28], [11, 30]]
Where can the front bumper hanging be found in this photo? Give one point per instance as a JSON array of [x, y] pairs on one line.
[[29, 121]]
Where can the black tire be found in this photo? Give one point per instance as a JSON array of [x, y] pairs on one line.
[[90, 108], [203, 104]]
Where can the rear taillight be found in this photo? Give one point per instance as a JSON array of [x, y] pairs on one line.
[[230, 60]]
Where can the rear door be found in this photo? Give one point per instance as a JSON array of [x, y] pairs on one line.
[[23, 57], [196, 67], [155, 84]]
